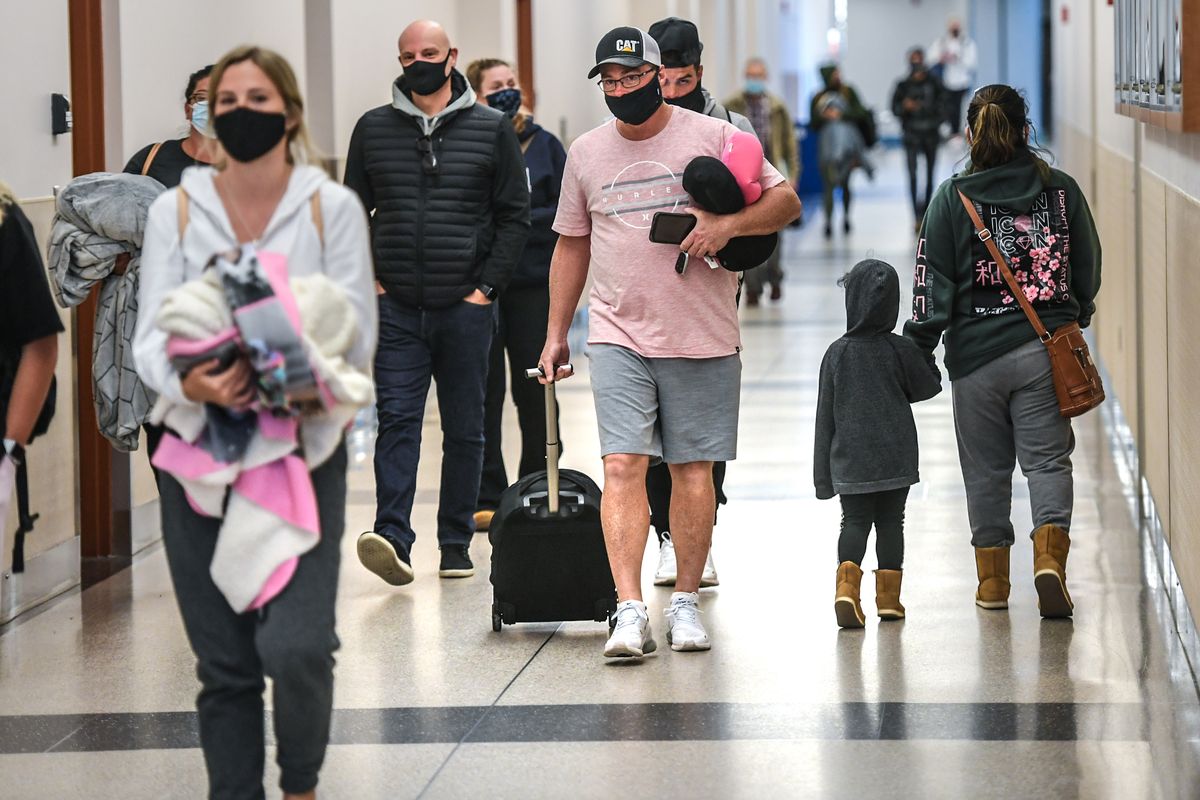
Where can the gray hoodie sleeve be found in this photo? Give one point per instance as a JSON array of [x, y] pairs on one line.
[[922, 378], [823, 440]]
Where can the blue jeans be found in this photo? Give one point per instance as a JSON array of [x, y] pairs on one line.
[[451, 346]]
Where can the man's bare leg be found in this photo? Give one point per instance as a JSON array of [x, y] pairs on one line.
[[625, 514], [693, 501]]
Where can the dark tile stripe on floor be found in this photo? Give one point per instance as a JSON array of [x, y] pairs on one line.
[[1124, 722]]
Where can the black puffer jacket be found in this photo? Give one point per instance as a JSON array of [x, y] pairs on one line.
[[436, 237], [923, 120]]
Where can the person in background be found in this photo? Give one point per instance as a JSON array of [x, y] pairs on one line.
[[165, 161], [1005, 408], [955, 56], [444, 179], [525, 306], [681, 76], [918, 102], [776, 129], [838, 115], [29, 329], [261, 195]]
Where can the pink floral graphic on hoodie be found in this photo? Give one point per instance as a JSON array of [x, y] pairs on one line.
[[1037, 245]]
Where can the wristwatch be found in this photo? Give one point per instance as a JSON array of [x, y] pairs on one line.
[[489, 292], [14, 451]]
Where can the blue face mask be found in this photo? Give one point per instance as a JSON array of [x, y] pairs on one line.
[[200, 117], [756, 86], [505, 100]]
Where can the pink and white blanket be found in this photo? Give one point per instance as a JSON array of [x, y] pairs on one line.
[[265, 498]]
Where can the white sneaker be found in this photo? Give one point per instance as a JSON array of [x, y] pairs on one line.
[[667, 571], [665, 574], [631, 638], [684, 631]]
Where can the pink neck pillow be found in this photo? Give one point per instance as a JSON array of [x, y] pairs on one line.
[[743, 155]]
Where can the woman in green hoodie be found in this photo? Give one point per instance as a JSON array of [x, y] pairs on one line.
[[1005, 408]]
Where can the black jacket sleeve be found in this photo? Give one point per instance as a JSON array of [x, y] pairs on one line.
[[898, 95], [542, 216], [823, 439], [922, 378], [510, 210], [356, 170]]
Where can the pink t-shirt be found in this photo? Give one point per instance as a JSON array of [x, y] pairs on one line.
[[611, 189]]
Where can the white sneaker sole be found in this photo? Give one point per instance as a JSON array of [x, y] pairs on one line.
[[456, 573], [376, 554], [706, 582], [626, 650], [689, 645]]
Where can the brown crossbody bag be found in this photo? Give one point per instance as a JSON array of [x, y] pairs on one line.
[[1076, 379]]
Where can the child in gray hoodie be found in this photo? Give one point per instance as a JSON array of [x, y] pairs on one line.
[[866, 440]]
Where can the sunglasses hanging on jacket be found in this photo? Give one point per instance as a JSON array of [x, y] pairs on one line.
[[429, 160]]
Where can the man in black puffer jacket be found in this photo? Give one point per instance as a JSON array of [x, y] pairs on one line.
[[444, 180]]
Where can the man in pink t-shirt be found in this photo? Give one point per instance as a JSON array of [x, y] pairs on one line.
[[666, 374]]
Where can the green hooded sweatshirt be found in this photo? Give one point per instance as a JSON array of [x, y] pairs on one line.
[[1046, 232]]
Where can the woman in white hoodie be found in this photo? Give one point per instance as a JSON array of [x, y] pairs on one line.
[[261, 193]]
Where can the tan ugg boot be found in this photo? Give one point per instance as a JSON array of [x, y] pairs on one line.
[[846, 603], [991, 565], [887, 593], [1050, 547]]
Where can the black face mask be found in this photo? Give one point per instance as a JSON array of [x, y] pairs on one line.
[[247, 134], [637, 106], [426, 77], [692, 101]]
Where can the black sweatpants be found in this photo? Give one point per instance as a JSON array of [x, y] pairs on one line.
[[658, 489], [884, 510], [522, 334], [292, 640]]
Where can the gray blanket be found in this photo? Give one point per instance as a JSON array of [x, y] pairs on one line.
[[97, 218]]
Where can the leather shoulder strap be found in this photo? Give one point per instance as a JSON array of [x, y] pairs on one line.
[[314, 205], [181, 204], [150, 158], [985, 236]]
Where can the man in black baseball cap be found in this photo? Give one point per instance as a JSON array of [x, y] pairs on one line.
[[680, 79], [682, 73]]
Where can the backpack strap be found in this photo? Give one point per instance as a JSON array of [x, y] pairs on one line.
[[150, 158], [314, 205], [25, 520]]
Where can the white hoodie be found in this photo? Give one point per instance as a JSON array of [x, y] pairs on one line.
[[345, 260]]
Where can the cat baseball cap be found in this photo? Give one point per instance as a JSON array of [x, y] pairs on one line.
[[629, 47]]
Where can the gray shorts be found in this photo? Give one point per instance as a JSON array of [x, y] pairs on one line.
[[677, 410]]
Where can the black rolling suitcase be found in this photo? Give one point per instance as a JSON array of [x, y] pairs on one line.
[[549, 563]]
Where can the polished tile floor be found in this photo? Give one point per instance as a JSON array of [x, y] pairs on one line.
[[96, 690]]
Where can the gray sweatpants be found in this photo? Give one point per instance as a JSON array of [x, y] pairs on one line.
[[1006, 413], [292, 640]]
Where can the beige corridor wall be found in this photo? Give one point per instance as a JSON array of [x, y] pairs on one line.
[[1143, 184]]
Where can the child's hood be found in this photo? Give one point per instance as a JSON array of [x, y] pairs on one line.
[[872, 298]]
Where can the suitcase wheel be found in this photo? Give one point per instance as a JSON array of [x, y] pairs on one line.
[[497, 623]]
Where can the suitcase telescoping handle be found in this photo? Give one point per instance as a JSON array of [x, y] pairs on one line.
[[551, 437]]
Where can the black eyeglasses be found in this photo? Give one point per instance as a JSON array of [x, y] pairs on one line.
[[429, 162], [630, 81]]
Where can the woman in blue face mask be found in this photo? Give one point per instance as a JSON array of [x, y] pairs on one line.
[[165, 161], [525, 305]]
